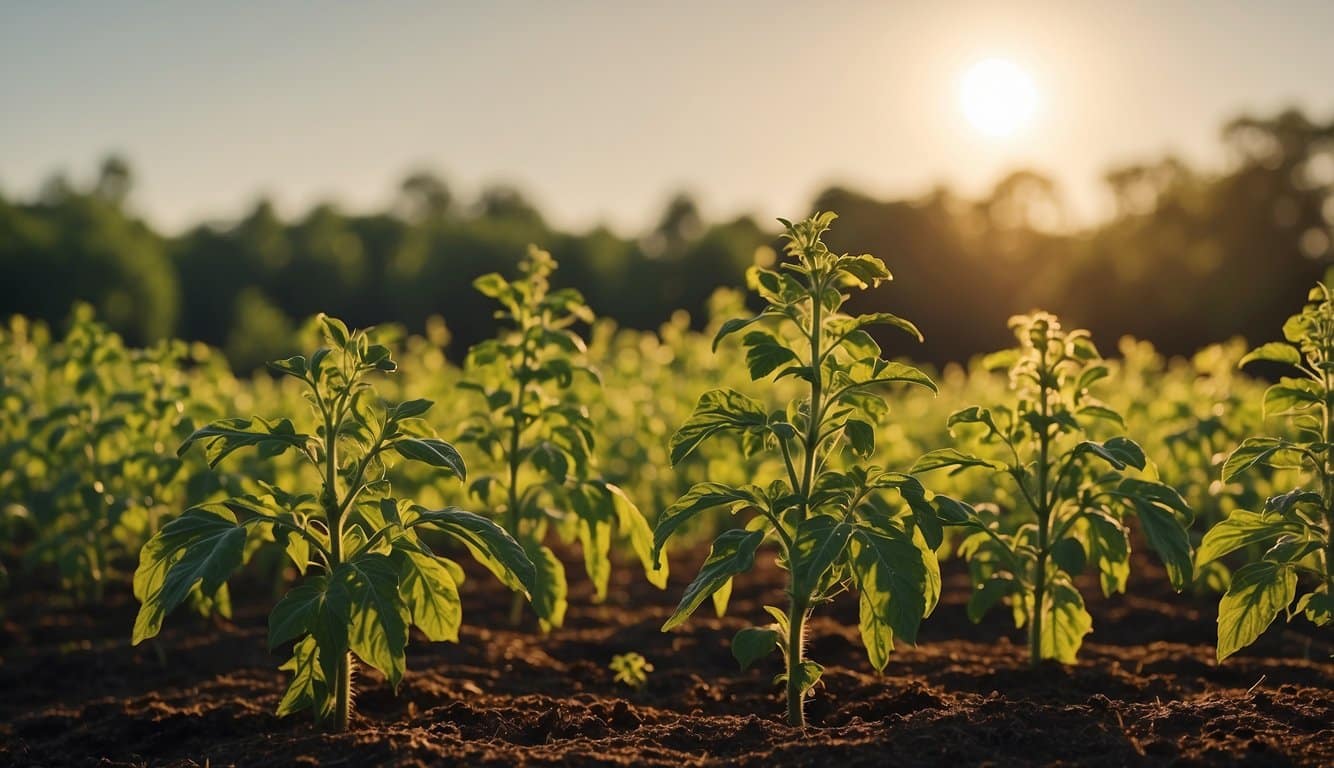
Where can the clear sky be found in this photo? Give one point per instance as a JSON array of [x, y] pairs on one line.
[[601, 110]]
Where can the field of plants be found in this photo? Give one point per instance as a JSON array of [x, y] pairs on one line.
[[775, 541]]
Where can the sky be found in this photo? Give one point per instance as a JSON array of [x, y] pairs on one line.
[[601, 111]]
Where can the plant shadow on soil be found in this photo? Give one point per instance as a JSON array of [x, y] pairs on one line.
[[1145, 692]]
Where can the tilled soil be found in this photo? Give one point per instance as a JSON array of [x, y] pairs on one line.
[[1146, 691]]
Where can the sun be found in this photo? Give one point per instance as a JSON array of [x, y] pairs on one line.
[[997, 97]]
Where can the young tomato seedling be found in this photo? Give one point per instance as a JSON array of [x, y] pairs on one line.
[[833, 528], [1072, 493], [543, 438], [1295, 528], [373, 574]]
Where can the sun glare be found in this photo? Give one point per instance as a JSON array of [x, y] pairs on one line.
[[997, 97]]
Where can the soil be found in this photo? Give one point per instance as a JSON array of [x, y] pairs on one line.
[[1145, 692]]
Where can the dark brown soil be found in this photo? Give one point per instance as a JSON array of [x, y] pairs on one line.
[[1146, 691]]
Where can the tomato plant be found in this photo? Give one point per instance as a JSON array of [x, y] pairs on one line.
[[1295, 529], [368, 574], [543, 440], [827, 513], [1075, 493]]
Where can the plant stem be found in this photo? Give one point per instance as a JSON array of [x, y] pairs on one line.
[[343, 694], [512, 519], [334, 516], [1044, 522], [796, 650]]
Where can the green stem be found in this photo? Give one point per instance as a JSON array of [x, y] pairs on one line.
[[333, 513], [343, 696], [512, 517], [1044, 522], [796, 650]]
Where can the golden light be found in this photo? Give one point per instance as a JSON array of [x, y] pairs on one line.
[[997, 97]]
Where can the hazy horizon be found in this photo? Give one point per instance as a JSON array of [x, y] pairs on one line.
[[601, 112]]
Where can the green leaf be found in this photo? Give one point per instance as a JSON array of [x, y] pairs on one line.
[[843, 326], [861, 436], [1101, 412], [378, 617], [1069, 555], [308, 687], [550, 589], [1318, 607], [410, 408], [765, 353], [430, 593], [633, 527], [1258, 593], [434, 452], [1242, 529], [1167, 536], [820, 540], [951, 457], [1065, 623], [488, 543], [718, 410], [754, 643], [334, 330], [295, 614], [492, 285], [865, 373], [733, 552], [203, 546], [1109, 548], [973, 415], [900, 582], [1120, 452], [990, 592], [808, 674], [1292, 395], [292, 366], [1255, 450], [1273, 352], [867, 270], [222, 437], [732, 326], [700, 497], [876, 633]]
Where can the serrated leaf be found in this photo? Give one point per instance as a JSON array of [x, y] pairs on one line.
[[1242, 529], [700, 497], [203, 546], [430, 593], [733, 552], [820, 540], [1258, 593], [308, 687], [718, 410], [1253, 451], [488, 543], [1065, 623], [378, 617], [900, 581]]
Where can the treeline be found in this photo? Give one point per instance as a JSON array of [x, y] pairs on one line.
[[1188, 258]]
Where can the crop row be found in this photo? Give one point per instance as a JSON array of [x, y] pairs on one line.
[[785, 431]]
